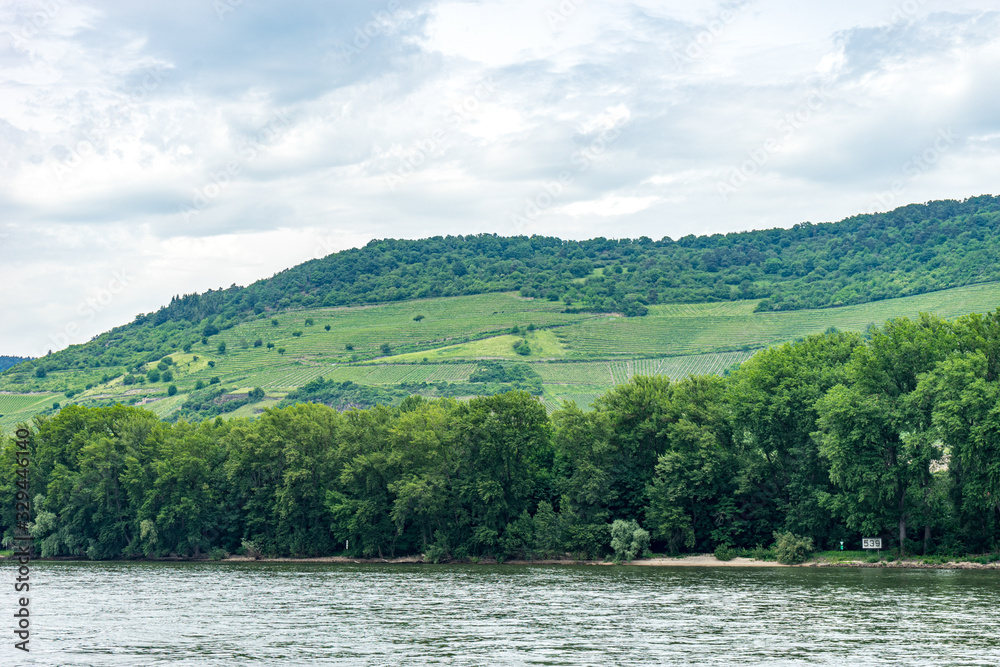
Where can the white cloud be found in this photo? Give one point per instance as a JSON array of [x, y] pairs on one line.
[[448, 117]]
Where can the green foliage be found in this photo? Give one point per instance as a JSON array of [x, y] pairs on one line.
[[153, 375], [826, 439], [791, 549], [172, 390], [222, 347], [384, 348], [417, 318], [725, 552], [628, 540], [522, 347]]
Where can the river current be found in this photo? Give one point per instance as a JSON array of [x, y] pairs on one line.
[[320, 614]]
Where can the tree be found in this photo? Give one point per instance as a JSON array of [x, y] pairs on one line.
[[628, 540], [222, 347], [870, 433]]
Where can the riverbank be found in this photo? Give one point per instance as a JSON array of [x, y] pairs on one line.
[[692, 560]]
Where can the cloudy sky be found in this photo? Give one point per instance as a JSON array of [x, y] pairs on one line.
[[155, 148]]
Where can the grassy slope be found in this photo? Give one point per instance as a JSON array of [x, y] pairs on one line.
[[579, 356]]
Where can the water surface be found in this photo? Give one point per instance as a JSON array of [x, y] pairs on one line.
[[312, 614]]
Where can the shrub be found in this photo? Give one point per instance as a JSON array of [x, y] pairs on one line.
[[522, 348], [256, 394], [200, 384], [153, 375], [384, 347], [250, 549], [724, 552], [167, 376], [327, 327], [792, 549], [628, 540], [281, 350], [310, 322], [218, 553], [162, 366], [222, 347], [296, 333], [40, 373], [211, 364], [349, 347], [128, 379], [274, 322], [417, 318], [172, 390], [258, 343], [214, 380]]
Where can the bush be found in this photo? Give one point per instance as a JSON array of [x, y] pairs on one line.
[[628, 540], [128, 379], [222, 347], [257, 394], [296, 334], [167, 376], [327, 327], [218, 553], [274, 322], [384, 347], [417, 318], [270, 345], [200, 384], [792, 549], [309, 321], [522, 348], [214, 380], [153, 375], [258, 343], [250, 549], [724, 552], [172, 390]]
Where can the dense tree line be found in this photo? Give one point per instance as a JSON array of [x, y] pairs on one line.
[[834, 437], [911, 250]]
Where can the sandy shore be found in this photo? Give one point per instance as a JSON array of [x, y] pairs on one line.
[[693, 560]]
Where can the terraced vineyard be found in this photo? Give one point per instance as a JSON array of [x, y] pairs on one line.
[[704, 328], [15, 408], [579, 356]]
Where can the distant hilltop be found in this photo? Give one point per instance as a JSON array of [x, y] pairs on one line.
[[6, 362]]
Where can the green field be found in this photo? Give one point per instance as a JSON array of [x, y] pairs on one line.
[[15, 408], [714, 327], [579, 356]]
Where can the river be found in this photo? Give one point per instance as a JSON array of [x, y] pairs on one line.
[[321, 614]]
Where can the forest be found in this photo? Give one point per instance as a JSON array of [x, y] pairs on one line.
[[895, 433], [912, 250]]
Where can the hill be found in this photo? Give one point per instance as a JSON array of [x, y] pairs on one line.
[[6, 362], [450, 351], [583, 315]]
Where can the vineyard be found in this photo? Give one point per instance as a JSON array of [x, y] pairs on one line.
[[16, 408], [578, 356], [703, 328]]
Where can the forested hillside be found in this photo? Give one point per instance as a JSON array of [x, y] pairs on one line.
[[911, 250], [7, 362], [896, 434]]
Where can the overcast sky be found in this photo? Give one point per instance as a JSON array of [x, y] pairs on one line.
[[156, 148]]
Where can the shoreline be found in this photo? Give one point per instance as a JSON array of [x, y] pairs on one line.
[[693, 560]]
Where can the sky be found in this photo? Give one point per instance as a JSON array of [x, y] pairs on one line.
[[160, 148]]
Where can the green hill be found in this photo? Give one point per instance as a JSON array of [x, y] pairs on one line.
[[583, 315]]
